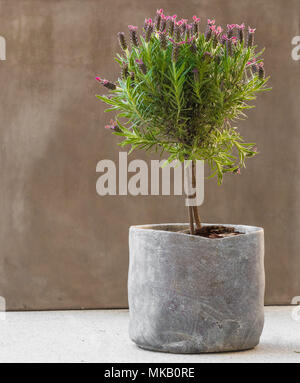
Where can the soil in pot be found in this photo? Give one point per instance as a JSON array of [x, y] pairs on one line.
[[214, 232]]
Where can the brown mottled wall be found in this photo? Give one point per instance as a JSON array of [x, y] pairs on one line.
[[62, 245]]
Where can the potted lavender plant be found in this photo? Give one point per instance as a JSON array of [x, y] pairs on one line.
[[192, 287]]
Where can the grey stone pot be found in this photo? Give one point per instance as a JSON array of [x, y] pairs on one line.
[[190, 294]]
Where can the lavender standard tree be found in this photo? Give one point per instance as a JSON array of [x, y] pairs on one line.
[[181, 90]]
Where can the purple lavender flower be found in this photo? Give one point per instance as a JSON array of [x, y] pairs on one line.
[[188, 31], [171, 24], [163, 23], [208, 31], [149, 30], [230, 30], [250, 41], [163, 40], [229, 46], [124, 71], [234, 40], [183, 25], [224, 39], [177, 32], [113, 125], [216, 32], [253, 66], [133, 35], [195, 25], [193, 47], [158, 17], [237, 171], [175, 52], [240, 29], [122, 40], [106, 83], [142, 66], [145, 26], [208, 34], [261, 71]]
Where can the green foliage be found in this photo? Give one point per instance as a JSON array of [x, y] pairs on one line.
[[185, 105]]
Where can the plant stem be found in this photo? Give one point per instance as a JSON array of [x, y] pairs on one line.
[[192, 230], [190, 208], [195, 208], [197, 218]]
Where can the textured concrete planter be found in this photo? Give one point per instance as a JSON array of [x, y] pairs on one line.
[[190, 294]]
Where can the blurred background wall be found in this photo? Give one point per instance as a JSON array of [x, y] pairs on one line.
[[61, 244]]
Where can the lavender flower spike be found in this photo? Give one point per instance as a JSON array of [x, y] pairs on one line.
[[133, 35], [124, 71], [122, 41], [193, 47], [163, 40], [149, 30], [240, 29], [230, 30], [229, 47], [261, 71], [250, 41], [171, 25], [177, 32], [208, 31], [188, 31], [142, 66], [113, 125], [163, 23], [224, 39], [106, 83], [195, 25], [175, 52], [158, 19]]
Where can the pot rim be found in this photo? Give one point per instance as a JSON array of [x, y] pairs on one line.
[[245, 230]]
